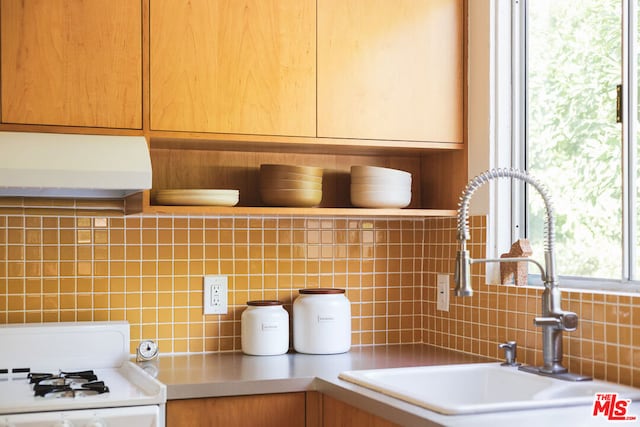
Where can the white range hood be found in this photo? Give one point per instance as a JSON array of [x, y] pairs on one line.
[[70, 165]]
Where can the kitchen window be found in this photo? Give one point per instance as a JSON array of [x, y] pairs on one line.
[[575, 128]]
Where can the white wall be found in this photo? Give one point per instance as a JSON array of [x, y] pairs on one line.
[[489, 112]]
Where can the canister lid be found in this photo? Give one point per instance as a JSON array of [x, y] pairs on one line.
[[321, 291], [264, 303]]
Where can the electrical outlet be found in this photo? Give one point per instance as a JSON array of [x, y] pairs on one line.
[[442, 302], [215, 294]]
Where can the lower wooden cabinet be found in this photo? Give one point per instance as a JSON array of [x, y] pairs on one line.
[[339, 414], [264, 410], [310, 409]]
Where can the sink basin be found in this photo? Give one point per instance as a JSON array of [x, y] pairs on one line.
[[481, 387]]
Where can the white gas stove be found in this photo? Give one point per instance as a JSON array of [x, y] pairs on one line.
[[75, 374]]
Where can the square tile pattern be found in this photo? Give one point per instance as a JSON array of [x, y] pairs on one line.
[[83, 266]]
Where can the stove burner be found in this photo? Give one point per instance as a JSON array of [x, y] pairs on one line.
[[37, 378], [66, 384], [68, 390]]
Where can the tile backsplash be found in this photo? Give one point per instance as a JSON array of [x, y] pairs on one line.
[[606, 344], [148, 270]]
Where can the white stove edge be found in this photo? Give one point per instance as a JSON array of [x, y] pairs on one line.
[[73, 346], [64, 345], [155, 394]]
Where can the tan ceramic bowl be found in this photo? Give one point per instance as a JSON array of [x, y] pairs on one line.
[[291, 198], [286, 169], [275, 176], [289, 184]]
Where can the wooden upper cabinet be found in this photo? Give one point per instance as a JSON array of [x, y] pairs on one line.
[[233, 66], [72, 62], [391, 69]]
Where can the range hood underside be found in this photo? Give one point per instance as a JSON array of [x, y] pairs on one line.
[[73, 166]]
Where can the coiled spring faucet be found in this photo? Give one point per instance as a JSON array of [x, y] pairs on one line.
[[553, 320]]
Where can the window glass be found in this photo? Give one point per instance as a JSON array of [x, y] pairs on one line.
[[573, 141], [636, 117]]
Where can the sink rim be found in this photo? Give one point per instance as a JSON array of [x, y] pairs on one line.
[[546, 398]]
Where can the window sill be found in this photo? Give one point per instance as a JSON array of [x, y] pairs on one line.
[[598, 286]]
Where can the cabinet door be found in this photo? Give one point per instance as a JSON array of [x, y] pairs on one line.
[[267, 410], [391, 69], [233, 66], [72, 62], [337, 413]]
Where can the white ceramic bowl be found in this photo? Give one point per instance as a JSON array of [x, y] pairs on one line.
[[380, 199], [372, 187], [383, 181], [377, 171]]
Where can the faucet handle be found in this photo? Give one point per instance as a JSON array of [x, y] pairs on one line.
[[546, 321], [510, 348], [567, 321]]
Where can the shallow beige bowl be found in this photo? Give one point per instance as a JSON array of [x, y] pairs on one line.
[[291, 198], [197, 197]]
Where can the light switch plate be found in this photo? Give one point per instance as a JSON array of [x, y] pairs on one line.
[[215, 294], [443, 290]]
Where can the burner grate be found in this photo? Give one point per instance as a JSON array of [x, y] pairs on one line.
[[66, 384], [37, 378]]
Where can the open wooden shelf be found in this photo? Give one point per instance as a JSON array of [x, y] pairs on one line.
[[203, 164], [276, 211]]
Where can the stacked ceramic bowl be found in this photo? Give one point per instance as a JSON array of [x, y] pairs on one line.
[[376, 187], [290, 186]]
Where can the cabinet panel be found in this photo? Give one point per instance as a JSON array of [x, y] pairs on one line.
[[336, 413], [277, 410], [391, 69], [72, 62], [232, 66]]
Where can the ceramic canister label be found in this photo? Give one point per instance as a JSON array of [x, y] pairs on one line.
[[270, 326], [325, 318]]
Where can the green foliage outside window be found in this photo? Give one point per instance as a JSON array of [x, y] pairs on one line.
[[574, 142]]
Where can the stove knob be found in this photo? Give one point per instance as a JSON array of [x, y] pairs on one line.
[[96, 422]]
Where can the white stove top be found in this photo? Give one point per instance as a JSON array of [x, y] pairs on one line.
[[49, 348], [128, 385]]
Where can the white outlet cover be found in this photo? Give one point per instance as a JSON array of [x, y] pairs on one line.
[[215, 294], [443, 290]]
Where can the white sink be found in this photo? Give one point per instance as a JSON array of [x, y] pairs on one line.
[[481, 387]]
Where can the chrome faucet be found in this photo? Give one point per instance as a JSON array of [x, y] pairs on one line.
[[554, 320]]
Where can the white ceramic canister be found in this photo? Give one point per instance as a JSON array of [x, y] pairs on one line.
[[265, 328], [321, 321]]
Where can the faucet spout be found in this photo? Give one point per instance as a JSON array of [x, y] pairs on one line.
[[462, 276], [553, 320]]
